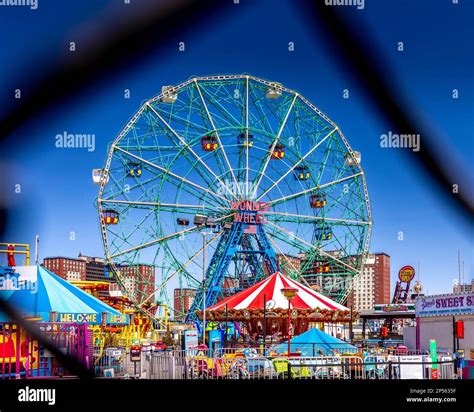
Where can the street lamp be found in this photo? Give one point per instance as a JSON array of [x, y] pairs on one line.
[[289, 293], [204, 234]]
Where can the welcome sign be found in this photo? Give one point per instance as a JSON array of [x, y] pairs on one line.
[[445, 305]]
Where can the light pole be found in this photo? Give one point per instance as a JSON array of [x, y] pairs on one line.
[[204, 234], [289, 293]]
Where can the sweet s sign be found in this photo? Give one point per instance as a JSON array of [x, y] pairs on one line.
[[445, 305]]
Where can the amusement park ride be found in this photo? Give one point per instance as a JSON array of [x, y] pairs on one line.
[[257, 166]]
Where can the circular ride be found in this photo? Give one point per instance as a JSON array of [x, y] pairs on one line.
[[229, 179]]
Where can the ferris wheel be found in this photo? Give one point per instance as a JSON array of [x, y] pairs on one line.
[[230, 178]]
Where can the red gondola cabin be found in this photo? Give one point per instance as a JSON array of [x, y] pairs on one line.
[[317, 201], [209, 143], [278, 152], [111, 217]]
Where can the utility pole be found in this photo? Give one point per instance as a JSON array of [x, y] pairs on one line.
[[459, 268], [37, 239]]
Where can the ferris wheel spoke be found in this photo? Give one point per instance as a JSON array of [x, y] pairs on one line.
[[188, 147], [322, 252], [246, 137], [313, 189], [166, 207], [293, 217], [275, 141], [295, 271], [155, 242], [221, 146], [297, 163], [182, 268], [168, 172]]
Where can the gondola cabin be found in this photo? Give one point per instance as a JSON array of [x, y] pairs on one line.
[[278, 152], [134, 170], [111, 217], [209, 143], [182, 222], [273, 91], [323, 234], [352, 161], [169, 94], [322, 269], [317, 201], [98, 175], [302, 172], [242, 140]]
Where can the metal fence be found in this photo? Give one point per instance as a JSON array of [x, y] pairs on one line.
[[252, 365], [22, 357]]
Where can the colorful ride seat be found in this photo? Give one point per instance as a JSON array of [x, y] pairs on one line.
[[242, 140], [134, 169], [302, 172], [209, 143], [278, 152], [317, 201], [111, 217]]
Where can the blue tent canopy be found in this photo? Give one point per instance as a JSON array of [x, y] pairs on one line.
[[35, 291], [316, 342]]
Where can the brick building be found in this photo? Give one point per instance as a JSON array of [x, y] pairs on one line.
[[182, 301], [373, 286], [139, 280], [66, 268]]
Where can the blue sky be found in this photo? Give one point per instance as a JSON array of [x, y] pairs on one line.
[[57, 194]]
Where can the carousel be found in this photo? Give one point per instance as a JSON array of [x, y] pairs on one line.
[[277, 306]]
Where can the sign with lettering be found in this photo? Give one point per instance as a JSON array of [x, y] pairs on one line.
[[394, 307], [248, 211], [78, 317], [406, 274], [445, 305]]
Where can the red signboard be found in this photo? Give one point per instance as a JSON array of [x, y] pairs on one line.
[[406, 274], [459, 329]]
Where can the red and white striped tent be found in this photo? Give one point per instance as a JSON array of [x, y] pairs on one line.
[[269, 289], [247, 306]]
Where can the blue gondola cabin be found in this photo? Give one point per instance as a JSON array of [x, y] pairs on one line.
[[111, 217], [301, 173], [278, 152], [134, 170], [317, 201], [242, 140], [209, 143]]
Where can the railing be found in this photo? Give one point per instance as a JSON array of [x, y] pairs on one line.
[[22, 357], [204, 364]]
